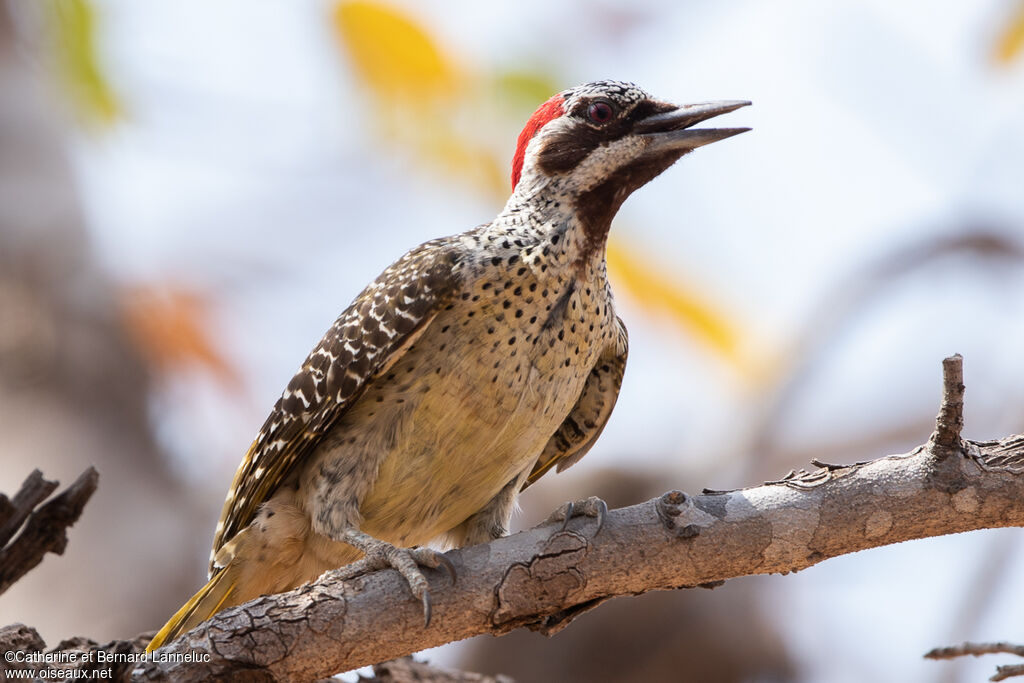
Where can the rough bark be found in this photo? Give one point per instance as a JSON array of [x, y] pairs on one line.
[[545, 577], [74, 658]]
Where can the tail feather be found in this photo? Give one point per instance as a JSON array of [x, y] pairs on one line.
[[203, 605], [264, 558]]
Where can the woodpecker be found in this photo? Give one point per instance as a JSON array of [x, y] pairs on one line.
[[473, 365]]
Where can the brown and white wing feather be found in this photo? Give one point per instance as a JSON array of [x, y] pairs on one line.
[[367, 339], [585, 422]]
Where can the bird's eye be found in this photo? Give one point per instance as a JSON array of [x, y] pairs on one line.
[[600, 112]]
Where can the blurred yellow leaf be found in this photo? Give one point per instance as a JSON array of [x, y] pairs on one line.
[[422, 100], [663, 293], [419, 93], [458, 155], [1010, 41], [170, 328], [392, 53], [73, 27]]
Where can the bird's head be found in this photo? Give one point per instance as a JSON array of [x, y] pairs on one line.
[[597, 143]]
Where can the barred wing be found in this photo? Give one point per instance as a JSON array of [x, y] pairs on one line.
[[364, 342]]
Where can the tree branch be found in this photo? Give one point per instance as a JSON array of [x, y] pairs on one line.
[[978, 649], [543, 578], [408, 670], [45, 529], [975, 649]]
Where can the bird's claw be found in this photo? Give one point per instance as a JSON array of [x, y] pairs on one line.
[[428, 557], [570, 507], [588, 507], [448, 567], [427, 608], [406, 561]]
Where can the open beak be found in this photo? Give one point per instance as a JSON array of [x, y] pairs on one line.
[[670, 131]]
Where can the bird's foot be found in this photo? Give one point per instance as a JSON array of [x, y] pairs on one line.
[[407, 561], [588, 507]]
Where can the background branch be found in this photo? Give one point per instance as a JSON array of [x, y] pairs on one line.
[[978, 649]]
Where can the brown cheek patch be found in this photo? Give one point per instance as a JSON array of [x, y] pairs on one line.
[[564, 151]]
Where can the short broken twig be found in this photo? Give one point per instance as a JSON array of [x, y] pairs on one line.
[[45, 528], [1007, 671], [13, 513], [950, 420]]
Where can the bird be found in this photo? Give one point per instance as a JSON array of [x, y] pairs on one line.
[[469, 368]]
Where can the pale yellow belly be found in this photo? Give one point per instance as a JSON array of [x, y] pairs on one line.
[[462, 441]]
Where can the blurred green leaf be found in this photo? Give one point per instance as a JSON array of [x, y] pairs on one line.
[[73, 26], [524, 88]]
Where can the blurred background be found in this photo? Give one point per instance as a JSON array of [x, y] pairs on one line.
[[190, 192]]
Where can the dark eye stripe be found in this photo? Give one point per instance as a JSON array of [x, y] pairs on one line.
[[564, 150], [648, 108]]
